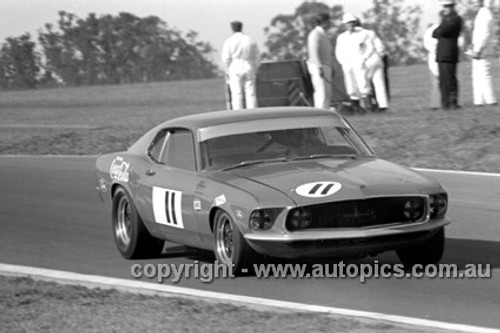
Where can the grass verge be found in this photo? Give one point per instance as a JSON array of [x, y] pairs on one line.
[[27, 305]]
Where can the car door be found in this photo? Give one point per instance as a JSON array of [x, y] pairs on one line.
[[168, 186]]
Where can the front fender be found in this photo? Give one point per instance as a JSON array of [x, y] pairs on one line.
[[238, 212]]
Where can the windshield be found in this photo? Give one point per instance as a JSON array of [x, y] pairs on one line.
[[334, 141]]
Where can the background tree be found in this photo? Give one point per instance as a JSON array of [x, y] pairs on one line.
[[122, 49], [466, 9], [287, 34], [61, 53], [19, 63], [399, 29]]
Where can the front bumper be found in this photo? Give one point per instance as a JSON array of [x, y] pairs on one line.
[[342, 242]]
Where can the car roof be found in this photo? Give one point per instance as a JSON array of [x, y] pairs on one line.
[[207, 119]]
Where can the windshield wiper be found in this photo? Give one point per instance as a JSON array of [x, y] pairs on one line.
[[314, 156], [253, 162]]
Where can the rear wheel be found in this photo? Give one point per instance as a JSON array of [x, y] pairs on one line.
[[427, 253], [132, 238], [230, 246]]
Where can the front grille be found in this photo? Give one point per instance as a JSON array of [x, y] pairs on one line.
[[363, 213]]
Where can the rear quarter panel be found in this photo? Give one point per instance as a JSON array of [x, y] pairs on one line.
[[119, 169]]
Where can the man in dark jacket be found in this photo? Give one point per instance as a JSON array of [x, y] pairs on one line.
[[447, 53]]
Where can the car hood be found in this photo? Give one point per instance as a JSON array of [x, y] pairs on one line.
[[317, 181]]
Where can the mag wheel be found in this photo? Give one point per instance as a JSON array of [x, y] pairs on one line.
[[123, 227], [230, 246], [131, 236], [427, 253]]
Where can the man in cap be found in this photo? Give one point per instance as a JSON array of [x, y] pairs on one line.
[[354, 47], [240, 58], [447, 54], [483, 49], [320, 58]]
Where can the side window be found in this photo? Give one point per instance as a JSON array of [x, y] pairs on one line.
[[158, 146], [179, 151]]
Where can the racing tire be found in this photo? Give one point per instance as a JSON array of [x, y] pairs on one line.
[[132, 238], [429, 252], [230, 246]]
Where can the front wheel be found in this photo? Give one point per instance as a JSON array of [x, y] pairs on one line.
[[429, 252], [230, 246], [132, 238]]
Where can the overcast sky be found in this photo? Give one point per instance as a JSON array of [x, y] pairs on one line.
[[210, 18]]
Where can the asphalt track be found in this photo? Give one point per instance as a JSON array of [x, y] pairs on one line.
[[52, 218]]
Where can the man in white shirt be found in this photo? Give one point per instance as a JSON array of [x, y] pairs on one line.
[[240, 58], [354, 47], [320, 58], [483, 45]]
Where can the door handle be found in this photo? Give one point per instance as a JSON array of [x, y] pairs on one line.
[[150, 172]]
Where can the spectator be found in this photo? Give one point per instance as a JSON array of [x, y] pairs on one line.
[[385, 60], [483, 48], [354, 46], [240, 58], [376, 70], [447, 55], [320, 58], [430, 45]]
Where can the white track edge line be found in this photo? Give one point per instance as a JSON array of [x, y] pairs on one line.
[[469, 173], [132, 285], [49, 156]]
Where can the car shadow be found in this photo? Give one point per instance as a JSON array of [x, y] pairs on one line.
[[181, 251]]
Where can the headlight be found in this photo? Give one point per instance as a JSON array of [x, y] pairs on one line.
[[263, 219], [438, 205], [299, 218], [414, 209]]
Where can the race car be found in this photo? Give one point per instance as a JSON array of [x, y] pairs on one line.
[[285, 182]]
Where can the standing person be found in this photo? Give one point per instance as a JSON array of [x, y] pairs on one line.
[[320, 61], [430, 45], [376, 71], [354, 47], [385, 60], [483, 48], [240, 58], [377, 63], [447, 56]]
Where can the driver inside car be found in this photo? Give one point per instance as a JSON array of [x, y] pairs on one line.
[[298, 141]]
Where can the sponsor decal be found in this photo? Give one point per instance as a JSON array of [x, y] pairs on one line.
[[119, 169], [197, 204], [220, 200], [167, 207], [102, 185], [318, 189], [239, 214]]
